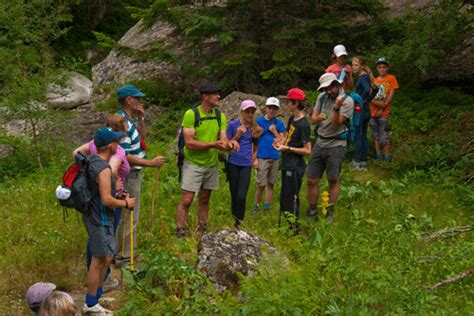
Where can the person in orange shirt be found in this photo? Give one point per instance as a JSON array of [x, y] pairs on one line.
[[380, 109]]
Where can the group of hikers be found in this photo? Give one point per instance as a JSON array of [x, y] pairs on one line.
[[117, 156]]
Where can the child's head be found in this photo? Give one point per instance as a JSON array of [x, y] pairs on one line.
[[383, 66], [117, 123], [359, 64], [295, 100], [339, 54], [272, 105], [37, 293], [58, 304]]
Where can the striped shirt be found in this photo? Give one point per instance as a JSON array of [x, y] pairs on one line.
[[131, 142]]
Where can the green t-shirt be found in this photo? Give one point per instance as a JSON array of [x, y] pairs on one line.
[[207, 131]]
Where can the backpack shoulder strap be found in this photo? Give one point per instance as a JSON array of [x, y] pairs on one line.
[[322, 101], [197, 117], [218, 118]]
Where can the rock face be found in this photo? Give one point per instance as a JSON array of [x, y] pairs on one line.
[[120, 68], [77, 91], [228, 252]]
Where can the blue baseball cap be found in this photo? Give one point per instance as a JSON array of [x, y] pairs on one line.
[[383, 60], [129, 90], [105, 136]]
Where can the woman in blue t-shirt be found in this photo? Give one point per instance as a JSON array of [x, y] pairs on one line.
[[246, 131]]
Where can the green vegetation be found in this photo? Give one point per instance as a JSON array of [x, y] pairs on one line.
[[372, 260]]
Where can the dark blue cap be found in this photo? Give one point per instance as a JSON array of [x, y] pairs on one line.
[[129, 90], [105, 136], [383, 60], [209, 89]]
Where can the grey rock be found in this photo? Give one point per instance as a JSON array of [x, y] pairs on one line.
[[227, 253], [76, 91]]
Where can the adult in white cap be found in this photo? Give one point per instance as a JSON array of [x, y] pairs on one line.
[[333, 110], [342, 70], [246, 132], [268, 157]]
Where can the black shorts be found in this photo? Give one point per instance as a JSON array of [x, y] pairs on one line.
[[329, 159], [101, 238]]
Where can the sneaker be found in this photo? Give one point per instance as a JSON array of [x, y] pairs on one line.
[[378, 156], [312, 213], [355, 165], [387, 158], [202, 228], [96, 310], [110, 284], [266, 207], [180, 232]]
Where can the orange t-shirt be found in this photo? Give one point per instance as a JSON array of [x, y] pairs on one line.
[[388, 83], [336, 69]]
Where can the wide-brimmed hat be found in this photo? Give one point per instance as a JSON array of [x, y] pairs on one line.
[[326, 80]]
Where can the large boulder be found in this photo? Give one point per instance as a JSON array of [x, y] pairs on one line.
[[76, 91], [227, 253]]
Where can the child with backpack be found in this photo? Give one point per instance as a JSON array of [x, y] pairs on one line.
[[365, 87], [380, 109], [296, 145], [342, 70], [239, 170], [268, 157]]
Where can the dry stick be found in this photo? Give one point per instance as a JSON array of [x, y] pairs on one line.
[[451, 280], [153, 198], [448, 230]]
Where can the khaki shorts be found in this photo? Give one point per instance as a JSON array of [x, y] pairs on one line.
[[194, 178], [267, 172]]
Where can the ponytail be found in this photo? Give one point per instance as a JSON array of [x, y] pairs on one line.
[[366, 68]]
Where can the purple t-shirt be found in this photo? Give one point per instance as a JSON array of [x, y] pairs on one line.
[[243, 157], [124, 167]]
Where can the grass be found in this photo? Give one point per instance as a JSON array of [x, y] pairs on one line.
[[369, 262]]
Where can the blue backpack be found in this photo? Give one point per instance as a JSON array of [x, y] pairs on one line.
[[353, 124]]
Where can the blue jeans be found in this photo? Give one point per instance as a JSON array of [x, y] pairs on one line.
[[361, 142], [117, 215]]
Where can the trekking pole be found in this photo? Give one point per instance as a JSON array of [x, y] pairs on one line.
[[153, 198], [131, 237]]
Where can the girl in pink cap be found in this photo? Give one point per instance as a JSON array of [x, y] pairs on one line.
[[246, 131]]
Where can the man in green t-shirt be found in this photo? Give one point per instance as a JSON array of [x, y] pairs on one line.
[[200, 171]]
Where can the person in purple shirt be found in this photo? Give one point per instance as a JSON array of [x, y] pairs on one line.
[[246, 131]]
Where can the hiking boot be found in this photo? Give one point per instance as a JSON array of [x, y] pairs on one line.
[[330, 214], [110, 284], [202, 228], [312, 213], [180, 232], [96, 310]]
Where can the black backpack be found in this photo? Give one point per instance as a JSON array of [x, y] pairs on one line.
[[197, 122], [74, 192]]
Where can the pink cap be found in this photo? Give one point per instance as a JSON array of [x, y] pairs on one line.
[[247, 104]]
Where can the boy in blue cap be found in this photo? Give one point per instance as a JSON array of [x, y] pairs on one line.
[[99, 221], [132, 109]]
